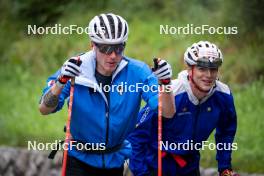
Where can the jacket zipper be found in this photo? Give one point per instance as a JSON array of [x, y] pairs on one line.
[[107, 131], [107, 125], [107, 119], [195, 123]]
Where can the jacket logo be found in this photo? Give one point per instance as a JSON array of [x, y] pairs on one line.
[[184, 111], [144, 116]]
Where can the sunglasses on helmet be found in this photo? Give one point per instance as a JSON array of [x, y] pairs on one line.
[[206, 63], [108, 49]]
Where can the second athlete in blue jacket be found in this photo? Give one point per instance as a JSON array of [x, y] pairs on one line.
[[202, 104]]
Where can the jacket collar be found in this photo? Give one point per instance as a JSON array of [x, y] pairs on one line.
[[183, 76], [88, 66]]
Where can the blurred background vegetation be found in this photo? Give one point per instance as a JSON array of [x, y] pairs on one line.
[[27, 60]]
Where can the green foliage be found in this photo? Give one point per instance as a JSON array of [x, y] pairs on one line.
[[250, 14], [244, 61], [37, 11], [249, 138], [20, 120]]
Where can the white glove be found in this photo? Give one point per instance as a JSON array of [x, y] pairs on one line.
[[70, 69], [162, 70]]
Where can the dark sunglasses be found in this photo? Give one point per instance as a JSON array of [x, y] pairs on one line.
[[108, 49]]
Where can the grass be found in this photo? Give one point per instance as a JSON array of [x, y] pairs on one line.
[[249, 137], [20, 119]]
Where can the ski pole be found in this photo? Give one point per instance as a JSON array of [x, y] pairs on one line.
[[156, 65], [160, 132], [68, 134]]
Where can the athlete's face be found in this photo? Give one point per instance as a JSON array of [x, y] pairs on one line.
[[204, 77], [107, 62]]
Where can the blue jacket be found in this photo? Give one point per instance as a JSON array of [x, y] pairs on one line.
[[193, 121], [95, 120]]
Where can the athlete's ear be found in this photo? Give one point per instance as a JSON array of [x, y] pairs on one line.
[[92, 46], [189, 70]]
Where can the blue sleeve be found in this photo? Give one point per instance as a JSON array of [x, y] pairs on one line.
[[225, 133], [139, 139], [150, 81], [64, 93]]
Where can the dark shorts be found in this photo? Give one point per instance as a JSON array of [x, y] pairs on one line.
[[76, 167]]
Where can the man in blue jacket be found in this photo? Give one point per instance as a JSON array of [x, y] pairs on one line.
[[108, 91], [202, 104]]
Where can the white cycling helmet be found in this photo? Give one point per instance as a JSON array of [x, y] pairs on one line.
[[108, 29], [203, 54]]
